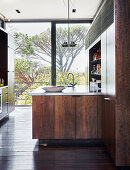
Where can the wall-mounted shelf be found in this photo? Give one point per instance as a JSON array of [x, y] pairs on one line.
[[98, 61], [95, 65], [94, 74]]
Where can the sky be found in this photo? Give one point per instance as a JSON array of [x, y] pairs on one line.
[[37, 28], [27, 28]]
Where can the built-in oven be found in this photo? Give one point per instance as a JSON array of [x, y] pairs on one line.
[[0, 100]]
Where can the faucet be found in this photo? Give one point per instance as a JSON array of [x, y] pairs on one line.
[[74, 83]]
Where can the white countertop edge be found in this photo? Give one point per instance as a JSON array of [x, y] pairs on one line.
[[3, 87], [64, 94], [69, 91]]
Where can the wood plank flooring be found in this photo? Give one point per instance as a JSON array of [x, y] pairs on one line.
[[18, 151]]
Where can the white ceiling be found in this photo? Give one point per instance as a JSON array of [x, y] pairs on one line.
[[48, 9]]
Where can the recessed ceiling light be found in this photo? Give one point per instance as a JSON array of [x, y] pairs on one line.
[[73, 10], [18, 11]]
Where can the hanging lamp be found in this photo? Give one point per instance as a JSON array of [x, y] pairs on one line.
[[69, 43]]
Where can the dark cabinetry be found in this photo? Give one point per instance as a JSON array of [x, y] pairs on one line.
[[122, 42], [7, 72], [3, 56], [65, 117], [108, 123], [53, 117], [86, 117], [3, 73]]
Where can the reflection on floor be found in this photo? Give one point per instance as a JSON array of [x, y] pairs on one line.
[[18, 151]]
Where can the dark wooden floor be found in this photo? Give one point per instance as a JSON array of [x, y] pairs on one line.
[[19, 152]]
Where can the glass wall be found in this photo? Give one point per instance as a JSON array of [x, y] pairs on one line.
[[70, 59], [32, 58], [33, 55]]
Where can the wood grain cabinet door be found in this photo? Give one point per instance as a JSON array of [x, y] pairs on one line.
[[108, 123], [64, 117], [43, 117], [53, 117], [86, 117]]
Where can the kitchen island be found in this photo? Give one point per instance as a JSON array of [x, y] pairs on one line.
[[73, 113], [77, 90]]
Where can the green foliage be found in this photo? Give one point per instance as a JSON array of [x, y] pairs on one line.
[[30, 71], [24, 45], [25, 71]]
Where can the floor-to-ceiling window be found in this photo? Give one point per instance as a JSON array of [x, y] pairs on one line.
[[32, 57], [40, 58], [70, 59]]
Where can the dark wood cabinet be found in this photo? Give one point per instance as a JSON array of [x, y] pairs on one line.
[[65, 117], [7, 71], [108, 123], [86, 117], [122, 42], [53, 117], [43, 117]]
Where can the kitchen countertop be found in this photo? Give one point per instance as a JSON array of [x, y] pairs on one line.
[[3, 87], [77, 90]]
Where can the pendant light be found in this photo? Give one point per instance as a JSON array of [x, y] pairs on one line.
[[69, 43]]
